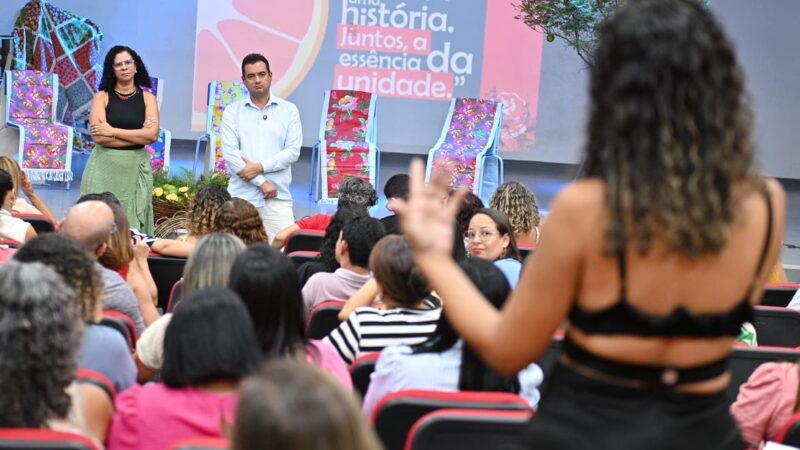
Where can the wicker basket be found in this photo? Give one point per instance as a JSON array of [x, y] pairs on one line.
[[168, 217]]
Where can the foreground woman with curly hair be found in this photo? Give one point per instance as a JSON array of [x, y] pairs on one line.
[[240, 218], [520, 205]]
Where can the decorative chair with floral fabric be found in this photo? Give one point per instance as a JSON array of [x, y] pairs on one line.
[[347, 143], [467, 147], [159, 150], [220, 95], [45, 146]]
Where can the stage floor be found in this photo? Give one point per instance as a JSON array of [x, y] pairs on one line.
[[544, 179]]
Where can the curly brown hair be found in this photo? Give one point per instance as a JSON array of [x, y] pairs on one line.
[[669, 127], [240, 218], [519, 204], [203, 210], [119, 252]]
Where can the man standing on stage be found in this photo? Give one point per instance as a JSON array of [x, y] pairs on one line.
[[261, 138]]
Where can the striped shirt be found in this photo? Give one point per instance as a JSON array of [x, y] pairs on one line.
[[369, 330]]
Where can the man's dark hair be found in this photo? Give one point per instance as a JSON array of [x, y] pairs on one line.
[[396, 187], [253, 58], [209, 338], [361, 234], [106, 197]]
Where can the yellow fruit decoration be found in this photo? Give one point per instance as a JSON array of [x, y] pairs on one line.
[[183, 189], [158, 192], [172, 197]]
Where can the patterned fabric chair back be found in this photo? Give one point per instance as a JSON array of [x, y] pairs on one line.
[[348, 133], [471, 124], [220, 95], [45, 146]]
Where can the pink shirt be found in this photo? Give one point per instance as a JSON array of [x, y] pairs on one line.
[[327, 358], [154, 416], [766, 402]]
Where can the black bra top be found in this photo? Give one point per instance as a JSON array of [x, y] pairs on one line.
[[624, 318]]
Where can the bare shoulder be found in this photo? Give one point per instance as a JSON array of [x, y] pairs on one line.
[[149, 97], [581, 197], [776, 192]]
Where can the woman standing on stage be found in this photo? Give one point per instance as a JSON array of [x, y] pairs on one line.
[[123, 120]]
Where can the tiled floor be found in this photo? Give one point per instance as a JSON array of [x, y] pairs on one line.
[[544, 179]]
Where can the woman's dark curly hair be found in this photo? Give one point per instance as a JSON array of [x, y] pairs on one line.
[[356, 193], [241, 219], [70, 260], [669, 127], [39, 337], [109, 80], [469, 206], [204, 208], [519, 204]]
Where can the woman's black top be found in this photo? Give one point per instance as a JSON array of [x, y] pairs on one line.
[[127, 114]]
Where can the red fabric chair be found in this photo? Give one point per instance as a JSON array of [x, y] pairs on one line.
[[323, 319], [39, 222], [201, 443], [790, 434], [361, 371], [777, 327], [7, 253], [396, 413], [467, 429], [98, 379], [302, 256], [779, 294], [122, 323], [165, 271], [42, 439], [175, 295], [307, 240]]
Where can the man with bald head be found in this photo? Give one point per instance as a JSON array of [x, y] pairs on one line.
[[91, 224]]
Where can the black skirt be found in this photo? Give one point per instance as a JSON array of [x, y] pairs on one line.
[[578, 412]]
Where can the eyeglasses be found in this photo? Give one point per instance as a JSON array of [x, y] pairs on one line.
[[482, 235], [122, 64]]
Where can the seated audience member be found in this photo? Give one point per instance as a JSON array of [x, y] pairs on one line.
[[200, 222], [109, 198], [326, 260], [444, 362], [519, 204], [209, 346], [102, 349], [766, 402], [469, 204], [396, 192], [21, 181], [241, 219], [39, 339], [91, 224], [209, 265], [408, 318], [354, 193], [266, 281], [10, 226], [489, 236], [352, 253], [129, 259], [290, 405]]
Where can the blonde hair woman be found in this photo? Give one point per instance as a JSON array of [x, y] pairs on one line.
[[21, 181]]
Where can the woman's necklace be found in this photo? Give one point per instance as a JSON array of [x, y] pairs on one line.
[[122, 96]]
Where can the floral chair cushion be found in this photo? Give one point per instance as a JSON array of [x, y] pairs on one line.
[[224, 93], [44, 146], [346, 159], [346, 131]]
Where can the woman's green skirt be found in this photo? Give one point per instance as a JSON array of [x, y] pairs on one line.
[[126, 174]]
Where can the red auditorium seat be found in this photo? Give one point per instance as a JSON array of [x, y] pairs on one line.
[[323, 319], [201, 443], [42, 439], [122, 323], [467, 429], [306, 240], [361, 370]]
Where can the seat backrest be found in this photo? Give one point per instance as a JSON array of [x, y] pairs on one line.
[[98, 379], [323, 319], [165, 271], [39, 222], [308, 240], [220, 95], [201, 443], [175, 295], [777, 327], [361, 371], [745, 360], [471, 124], [42, 439], [31, 95], [467, 429], [775, 295], [122, 323], [302, 256], [396, 413], [348, 115], [790, 433]]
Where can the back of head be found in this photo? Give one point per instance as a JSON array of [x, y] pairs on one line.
[[73, 264], [210, 338], [120, 249], [398, 277], [240, 218], [519, 204], [327, 250], [106, 197], [266, 281], [355, 193], [12, 168], [361, 234], [204, 208], [396, 187], [209, 264], [470, 205], [39, 336], [89, 223], [293, 405], [6, 185], [669, 127]]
